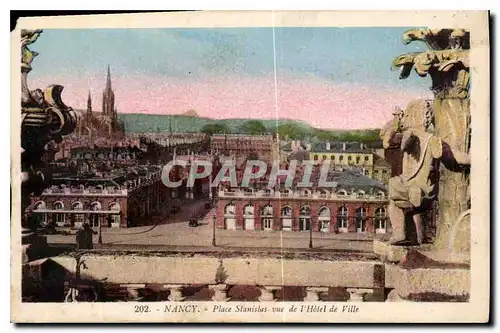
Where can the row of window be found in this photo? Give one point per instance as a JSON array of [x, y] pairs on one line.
[[77, 205], [286, 211], [267, 223], [60, 219], [341, 158]]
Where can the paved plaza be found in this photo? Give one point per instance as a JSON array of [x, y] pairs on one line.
[[177, 233]]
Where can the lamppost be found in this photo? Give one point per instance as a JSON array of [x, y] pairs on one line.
[[310, 235], [213, 230], [99, 230]]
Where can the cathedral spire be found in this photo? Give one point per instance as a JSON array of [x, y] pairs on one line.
[[108, 80], [108, 97]]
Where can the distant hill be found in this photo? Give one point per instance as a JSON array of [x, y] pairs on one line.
[[188, 122], [191, 122]]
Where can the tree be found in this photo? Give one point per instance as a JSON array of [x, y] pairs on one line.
[[291, 131], [213, 128], [252, 127]]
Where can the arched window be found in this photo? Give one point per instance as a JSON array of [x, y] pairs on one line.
[[305, 211], [40, 217], [323, 193], [324, 212], [60, 218], [114, 219], [360, 194], [324, 219], [342, 219], [39, 205], [361, 219], [342, 192], [267, 210], [380, 221], [78, 218], [286, 211], [380, 195], [248, 217], [94, 217], [248, 210], [304, 218], [230, 209]]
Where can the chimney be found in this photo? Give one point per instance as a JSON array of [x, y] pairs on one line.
[[343, 145], [328, 146], [308, 146]]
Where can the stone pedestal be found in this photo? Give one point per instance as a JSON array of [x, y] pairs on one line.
[[133, 291], [313, 293], [357, 294], [267, 293], [443, 283], [175, 292], [220, 293]]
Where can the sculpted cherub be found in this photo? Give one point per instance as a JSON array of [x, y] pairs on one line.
[[412, 192]]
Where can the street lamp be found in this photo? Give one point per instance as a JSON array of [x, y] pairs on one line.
[[310, 235], [99, 239], [213, 230]]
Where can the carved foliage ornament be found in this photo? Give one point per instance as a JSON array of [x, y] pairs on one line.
[[448, 50]]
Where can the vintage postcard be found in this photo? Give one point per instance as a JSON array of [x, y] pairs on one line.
[[264, 166]]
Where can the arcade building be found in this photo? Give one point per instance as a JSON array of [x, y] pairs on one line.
[[357, 204]]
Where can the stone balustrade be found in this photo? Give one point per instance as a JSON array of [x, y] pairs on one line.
[[298, 195], [316, 280]]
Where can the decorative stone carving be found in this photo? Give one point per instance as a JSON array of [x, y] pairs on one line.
[[44, 118], [357, 294], [267, 293], [313, 293], [175, 292], [448, 139], [220, 293]]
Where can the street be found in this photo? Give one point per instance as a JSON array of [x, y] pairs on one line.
[[177, 233]]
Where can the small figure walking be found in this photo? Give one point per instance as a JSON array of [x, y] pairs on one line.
[[84, 237]]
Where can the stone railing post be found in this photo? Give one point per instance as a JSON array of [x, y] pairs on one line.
[[220, 293], [133, 293], [175, 292], [357, 294], [313, 293], [267, 293]]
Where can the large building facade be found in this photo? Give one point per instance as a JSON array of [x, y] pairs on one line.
[[344, 155], [263, 147], [356, 204]]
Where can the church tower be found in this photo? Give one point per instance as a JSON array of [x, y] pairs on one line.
[[89, 108], [108, 97]]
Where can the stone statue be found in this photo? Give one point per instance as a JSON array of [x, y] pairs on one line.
[[412, 192], [445, 138]]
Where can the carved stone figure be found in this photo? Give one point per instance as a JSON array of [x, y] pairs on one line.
[[412, 192], [448, 65]]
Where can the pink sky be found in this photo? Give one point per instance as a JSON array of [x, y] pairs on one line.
[[319, 102]]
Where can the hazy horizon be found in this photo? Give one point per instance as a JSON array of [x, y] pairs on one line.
[[331, 78]]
